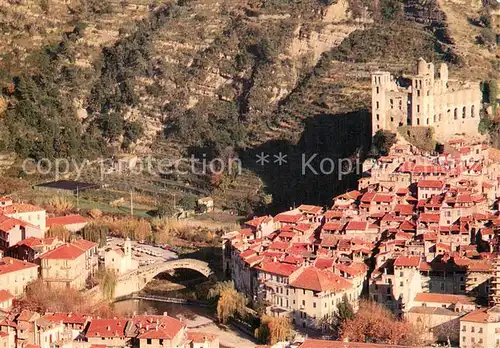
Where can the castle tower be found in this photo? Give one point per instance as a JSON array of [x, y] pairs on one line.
[[495, 282], [422, 109], [381, 81], [443, 74]]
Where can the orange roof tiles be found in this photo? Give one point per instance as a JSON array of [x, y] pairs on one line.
[[314, 279], [66, 220], [66, 318], [19, 208], [64, 252], [107, 328], [443, 298], [279, 268], [288, 218], [9, 264], [407, 261], [478, 316], [201, 337], [5, 296], [436, 184], [156, 326]]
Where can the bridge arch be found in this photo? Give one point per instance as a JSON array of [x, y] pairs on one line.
[[136, 281]]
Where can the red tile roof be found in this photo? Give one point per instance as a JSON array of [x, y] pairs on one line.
[[66, 318], [314, 279], [323, 263], [407, 261], [8, 223], [279, 268], [437, 184], [383, 198], [429, 217], [201, 337], [9, 264], [31, 242], [156, 326], [19, 208], [478, 316], [356, 226], [288, 218], [66, 220], [443, 298], [107, 328], [64, 252], [5, 296]]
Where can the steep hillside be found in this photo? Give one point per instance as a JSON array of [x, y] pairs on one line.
[[219, 77]]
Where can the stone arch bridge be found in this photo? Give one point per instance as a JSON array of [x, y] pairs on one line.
[[136, 280]]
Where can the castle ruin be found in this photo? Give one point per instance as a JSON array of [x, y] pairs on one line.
[[425, 100]]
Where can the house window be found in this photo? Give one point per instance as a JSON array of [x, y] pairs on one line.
[[378, 90], [148, 341], [472, 111], [161, 341], [463, 112], [464, 328], [480, 330], [418, 108], [303, 302], [400, 283], [472, 329], [401, 274], [314, 304], [455, 114], [377, 103], [378, 117]]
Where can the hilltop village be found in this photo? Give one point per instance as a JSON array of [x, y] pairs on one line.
[[418, 236]]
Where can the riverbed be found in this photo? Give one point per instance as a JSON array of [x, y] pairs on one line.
[[196, 318]]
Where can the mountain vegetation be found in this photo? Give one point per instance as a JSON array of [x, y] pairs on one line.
[[219, 78]]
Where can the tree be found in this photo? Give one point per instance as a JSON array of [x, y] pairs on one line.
[[107, 283], [383, 141], [491, 91], [281, 329], [60, 204], [96, 232], [344, 311], [142, 230], [376, 324], [229, 301], [188, 202], [39, 297], [166, 209], [59, 232]]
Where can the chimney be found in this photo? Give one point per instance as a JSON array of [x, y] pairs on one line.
[[164, 314]]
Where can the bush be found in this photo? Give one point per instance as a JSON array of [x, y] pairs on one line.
[[188, 202], [383, 141]]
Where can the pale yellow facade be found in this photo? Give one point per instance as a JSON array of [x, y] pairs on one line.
[[65, 273]]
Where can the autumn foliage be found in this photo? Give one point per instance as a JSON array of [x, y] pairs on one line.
[[274, 329], [41, 298], [229, 301], [376, 324]]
